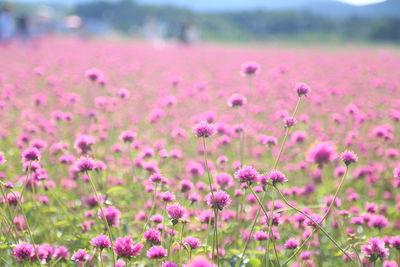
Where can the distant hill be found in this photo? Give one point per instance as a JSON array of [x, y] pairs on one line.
[[389, 8], [326, 7]]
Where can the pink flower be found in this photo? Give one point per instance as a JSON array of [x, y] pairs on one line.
[[124, 247], [156, 252]]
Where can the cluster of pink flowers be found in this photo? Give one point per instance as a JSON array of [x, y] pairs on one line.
[[98, 166]]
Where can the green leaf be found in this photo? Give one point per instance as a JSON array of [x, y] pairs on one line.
[[254, 262], [234, 252], [115, 189]]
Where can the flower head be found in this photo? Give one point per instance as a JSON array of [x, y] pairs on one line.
[[127, 136], [247, 174], [250, 68], [218, 199], [192, 242], [23, 251], [237, 100], [175, 212], [375, 249], [85, 164], [260, 236], [322, 153], [289, 122], [204, 129], [124, 247], [291, 244], [152, 236], [30, 154], [156, 252], [302, 89], [112, 215], [349, 157], [101, 242], [276, 176], [80, 255]]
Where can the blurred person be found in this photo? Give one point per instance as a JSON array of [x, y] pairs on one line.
[[187, 33], [22, 28], [6, 24], [154, 31]]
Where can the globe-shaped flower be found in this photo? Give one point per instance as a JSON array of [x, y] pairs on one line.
[[101, 242], [220, 200], [247, 174], [250, 68], [302, 89], [204, 129], [349, 157]]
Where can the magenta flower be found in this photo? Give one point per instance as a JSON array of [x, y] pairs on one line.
[[221, 200], [275, 176], [127, 136], [61, 252], [247, 174], [30, 154], [260, 236], [375, 249], [2, 158], [250, 68], [237, 100], [152, 236], [23, 251], [112, 215], [124, 247], [291, 244], [85, 164], [204, 129], [302, 89], [156, 252], [322, 153], [83, 143], [192, 242], [349, 157], [175, 212], [289, 122], [101, 242], [80, 256]]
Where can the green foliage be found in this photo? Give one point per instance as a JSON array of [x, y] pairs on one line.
[[127, 15]]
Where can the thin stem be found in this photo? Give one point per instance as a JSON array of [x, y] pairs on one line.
[[323, 218], [216, 233], [170, 241], [101, 258], [29, 230], [211, 190], [299, 249], [316, 224], [103, 216], [153, 204], [254, 222]]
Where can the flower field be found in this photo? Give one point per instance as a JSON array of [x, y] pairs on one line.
[[114, 153]]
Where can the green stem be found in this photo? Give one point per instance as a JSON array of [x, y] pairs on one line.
[[211, 191], [29, 230], [216, 233], [323, 218], [316, 224], [299, 249], [103, 217], [101, 258]]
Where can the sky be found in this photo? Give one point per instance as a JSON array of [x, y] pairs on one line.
[[361, 2], [188, 3]]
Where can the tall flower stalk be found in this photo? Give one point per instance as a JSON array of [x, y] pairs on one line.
[[276, 162], [204, 130], [85, 165]]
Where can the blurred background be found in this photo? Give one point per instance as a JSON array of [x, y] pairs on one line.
[[191, 21]]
